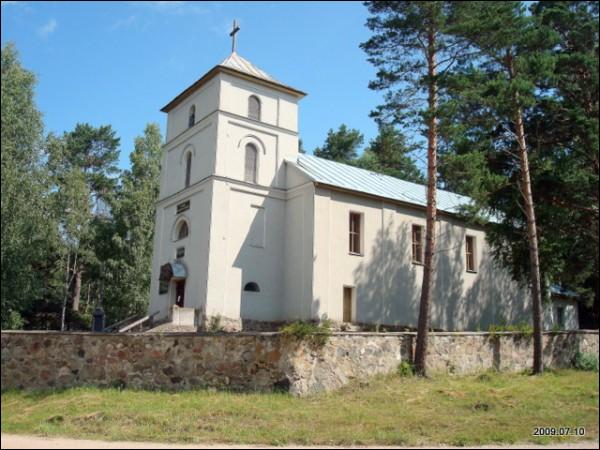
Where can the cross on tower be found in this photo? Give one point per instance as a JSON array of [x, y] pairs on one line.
[[234, 31]]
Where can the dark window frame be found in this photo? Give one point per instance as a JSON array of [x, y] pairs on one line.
[[417, 244], [560, 317], [253, 176], [192, 116], [470, 253], [254, 108], [188, 169], [183, 225], [355, 232], [251, 286]]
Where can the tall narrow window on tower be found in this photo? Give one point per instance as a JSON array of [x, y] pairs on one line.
[[192, 116], [188, 168], [254, 107], [251, 163], [182, 230]]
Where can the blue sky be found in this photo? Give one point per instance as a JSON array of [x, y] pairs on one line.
[[118, 63]]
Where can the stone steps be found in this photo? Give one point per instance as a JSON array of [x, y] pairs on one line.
[[170, 327]]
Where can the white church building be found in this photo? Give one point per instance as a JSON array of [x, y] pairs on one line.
[[248, 230]]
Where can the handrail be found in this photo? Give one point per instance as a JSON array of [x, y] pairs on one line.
[[138, 322], [121, 322]]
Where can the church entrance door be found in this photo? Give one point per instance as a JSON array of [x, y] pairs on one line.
[[347, 312], [179, 292]]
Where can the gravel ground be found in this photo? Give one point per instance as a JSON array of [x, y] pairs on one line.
[[18, 442]]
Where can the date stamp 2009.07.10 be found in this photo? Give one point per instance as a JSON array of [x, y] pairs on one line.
[[559, 431]]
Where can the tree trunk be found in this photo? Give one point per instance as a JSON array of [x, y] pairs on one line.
[[77, 289], [66, 296], [534, 260], [534, 257], [428, 268]]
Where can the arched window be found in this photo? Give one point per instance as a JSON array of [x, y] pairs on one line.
[[182, 230], [188, 168], [251, 287], [254, 107], [251, 163], [192, 116]]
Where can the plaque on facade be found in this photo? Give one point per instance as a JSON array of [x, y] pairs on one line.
[[183, 206]]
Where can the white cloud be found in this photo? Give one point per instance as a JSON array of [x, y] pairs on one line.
[[123, 23], [46, 30], [20, 6], [166, 4], [173, 7]]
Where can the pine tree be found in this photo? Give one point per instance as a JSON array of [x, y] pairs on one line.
[[341, 145], [412, 51], [89, 155], [498, 87], [389, 154], [564, 130], [301, 147]]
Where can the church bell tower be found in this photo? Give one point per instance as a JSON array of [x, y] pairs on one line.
[[219, 224]]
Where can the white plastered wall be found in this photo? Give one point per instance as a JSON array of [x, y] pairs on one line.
[[196, 247], [248, 224], [298, 261], [221, 252], [247, 245], [570, 314], [205, 100], [386, 281]]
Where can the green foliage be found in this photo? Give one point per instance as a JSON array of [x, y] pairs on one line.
[[299, 330], [412, 51], [341, 145], [398, 48], [214, 324], [316, 334], [553, 48], [69, 217], [301, 147], [82, 166], [389, 154], [26, 222], [586, 361], [564, 127], [94, 152], [12, 320], [406, 369], [128, 249], [523, 328]]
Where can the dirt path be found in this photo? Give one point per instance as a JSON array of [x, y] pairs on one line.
[[14, 441]]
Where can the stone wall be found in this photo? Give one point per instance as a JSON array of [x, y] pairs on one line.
[[259, 361]]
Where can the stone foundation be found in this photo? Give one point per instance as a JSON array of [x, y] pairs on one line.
[[259, 361], [220, 323]]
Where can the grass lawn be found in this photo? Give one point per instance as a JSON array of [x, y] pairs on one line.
[[489, 408]]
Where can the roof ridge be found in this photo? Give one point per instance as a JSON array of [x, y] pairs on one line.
[[237, 62], [379, 174], [364, 180]]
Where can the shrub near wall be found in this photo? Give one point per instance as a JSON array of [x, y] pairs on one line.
[[260, 361]]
